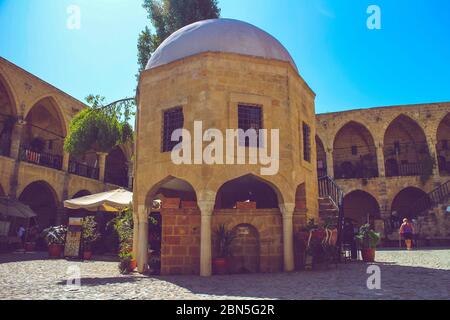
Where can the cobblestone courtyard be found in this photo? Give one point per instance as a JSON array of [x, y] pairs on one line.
[[423, 274]]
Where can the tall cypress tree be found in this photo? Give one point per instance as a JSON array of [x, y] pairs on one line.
[[167, 16]]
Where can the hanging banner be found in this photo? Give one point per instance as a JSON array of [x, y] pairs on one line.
[[73, 238]]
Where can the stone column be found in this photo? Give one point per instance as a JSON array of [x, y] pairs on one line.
[[65, 164], [379, 149], [287, 211], [135, 235], [330, 165], [142, 242], [206, 209], [101, 165], [433, 152], [16, 138], [130, 174]]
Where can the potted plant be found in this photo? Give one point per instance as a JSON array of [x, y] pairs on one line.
[[123, 224], [55, 237], [224, 240], [125, 264], [32, 236], [90, 235], [368, 239]]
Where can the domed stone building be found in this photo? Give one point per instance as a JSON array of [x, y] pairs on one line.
[[227, 74]]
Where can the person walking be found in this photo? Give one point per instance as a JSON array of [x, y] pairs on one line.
[[407, 233]]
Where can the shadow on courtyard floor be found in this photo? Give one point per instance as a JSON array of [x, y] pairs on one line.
[[42, 255], [348, 281]]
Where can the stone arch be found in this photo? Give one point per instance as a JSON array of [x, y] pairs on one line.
[[177, 236], [43, 135], [403, 203], [248, 188], [321, 157], [443, 145], [246, 249], [53, 105], [404, 147], [6, 93], [300, 197], [169, 187], [354, 152], [43, 199], [8, 113], [361, 207], [116, 167]]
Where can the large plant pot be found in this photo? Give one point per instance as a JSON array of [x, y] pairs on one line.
[[220, 266], [368, 254], [29, 246], [55, 250], [133, 265], [87, 255], [319, 234]]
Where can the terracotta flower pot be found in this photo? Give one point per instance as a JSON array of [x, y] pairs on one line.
[[368, 254], [55, 250], [133, 265], [220, 266], [29, 246], [87, 255], [319, 234]]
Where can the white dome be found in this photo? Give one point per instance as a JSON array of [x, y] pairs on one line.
[[219, 35]]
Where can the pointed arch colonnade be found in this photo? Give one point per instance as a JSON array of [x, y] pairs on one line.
[[375, 146], [256, 208]]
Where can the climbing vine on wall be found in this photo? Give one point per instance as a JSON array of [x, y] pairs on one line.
[[100, 127]]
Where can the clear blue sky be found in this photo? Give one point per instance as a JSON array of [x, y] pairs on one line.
[[346, 64]]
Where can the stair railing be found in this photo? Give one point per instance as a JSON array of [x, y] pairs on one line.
[[431, 199], [329, 188]]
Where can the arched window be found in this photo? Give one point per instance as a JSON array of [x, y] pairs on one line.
[[405, 148], [321, 158], [361, 207], [43, 136], [246, 192], [354, 153], [443, 146]]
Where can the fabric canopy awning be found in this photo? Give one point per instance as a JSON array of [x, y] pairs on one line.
[[14, 208], [111, 201]]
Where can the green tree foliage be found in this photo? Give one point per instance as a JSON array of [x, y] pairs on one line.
[[167, 16], [100, 128]]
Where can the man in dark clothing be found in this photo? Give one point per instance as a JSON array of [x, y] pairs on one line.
[[349, 237]]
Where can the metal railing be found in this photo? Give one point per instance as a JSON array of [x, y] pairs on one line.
[[322, 172], [404, 170], [40, 158], [329, 188], [83, 170], [432, 199]]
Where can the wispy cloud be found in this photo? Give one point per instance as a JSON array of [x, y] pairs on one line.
[[323, 9]]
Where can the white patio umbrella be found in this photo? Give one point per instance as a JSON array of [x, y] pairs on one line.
[[14, 208], [110, 201]]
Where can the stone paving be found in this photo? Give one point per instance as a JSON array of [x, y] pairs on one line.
[[422, 274]]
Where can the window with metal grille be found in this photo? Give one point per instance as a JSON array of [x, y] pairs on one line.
[[172, 119], [354, 150], [306, 142], [250, 117]]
